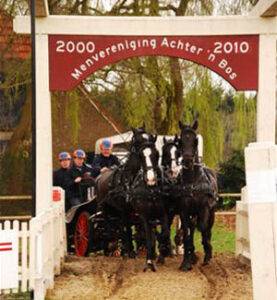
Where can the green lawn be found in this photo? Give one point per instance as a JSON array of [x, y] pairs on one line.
[[223, 239], [20, 296]]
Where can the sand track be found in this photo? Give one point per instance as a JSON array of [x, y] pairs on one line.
[[100, 277]]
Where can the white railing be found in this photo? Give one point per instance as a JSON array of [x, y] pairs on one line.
[[23, 258], [242, 227], [42, 249], [47, 247]]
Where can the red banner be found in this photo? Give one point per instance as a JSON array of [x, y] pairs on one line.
[[72, 58]]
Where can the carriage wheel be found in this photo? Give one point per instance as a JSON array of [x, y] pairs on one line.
[[82, 234]]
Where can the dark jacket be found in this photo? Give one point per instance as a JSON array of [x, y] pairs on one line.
[[79, 190], [100, 161], [60, 178]]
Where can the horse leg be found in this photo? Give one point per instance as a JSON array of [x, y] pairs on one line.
[[178, 239], [129, 241], [194, 257], [170, 221], [206, 231], [164, 241], [123, 237], [150, 247], [188, 243], [140, 238]]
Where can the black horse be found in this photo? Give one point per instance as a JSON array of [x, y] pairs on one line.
[[198, 197], [147, 202], [113, 189], [170, 164]]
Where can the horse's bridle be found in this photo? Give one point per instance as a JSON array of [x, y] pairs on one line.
[[193, 157]]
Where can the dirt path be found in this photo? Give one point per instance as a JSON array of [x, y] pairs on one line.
[[113, 278]]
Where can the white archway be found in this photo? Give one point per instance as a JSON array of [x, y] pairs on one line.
[[261, 157]]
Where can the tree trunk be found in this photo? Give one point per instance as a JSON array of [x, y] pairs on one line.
[[16, 164]]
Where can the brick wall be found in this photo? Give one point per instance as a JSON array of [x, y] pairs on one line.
[[12, 46]]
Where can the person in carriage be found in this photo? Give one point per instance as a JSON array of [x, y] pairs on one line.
[[105, 160], [60, 176], [80, 177], [102, 163]]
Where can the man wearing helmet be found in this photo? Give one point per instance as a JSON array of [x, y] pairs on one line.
[[106, 159], [102, 163], [60, 176], [80, 178]]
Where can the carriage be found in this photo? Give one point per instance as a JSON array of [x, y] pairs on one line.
[[78, 227], [87, 232]]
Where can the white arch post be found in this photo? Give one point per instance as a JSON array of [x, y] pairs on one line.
[[261, 168], [44, 127], [261, 178]]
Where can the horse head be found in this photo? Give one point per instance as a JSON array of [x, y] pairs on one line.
[[188, 143], [140, 136], [170, 157]]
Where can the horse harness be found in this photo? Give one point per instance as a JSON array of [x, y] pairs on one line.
[[202, 185]]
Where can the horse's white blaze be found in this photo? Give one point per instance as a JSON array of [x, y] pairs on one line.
[[150, 176], [174, 166], [145, 136], [173, 157]]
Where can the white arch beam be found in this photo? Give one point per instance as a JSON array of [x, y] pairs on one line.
[[193, 26]]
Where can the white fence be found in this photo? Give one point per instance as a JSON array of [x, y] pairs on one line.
[[23, 259], [242, 227], [42, 247]]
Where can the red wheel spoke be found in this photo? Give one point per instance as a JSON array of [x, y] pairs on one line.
[[81, 236]]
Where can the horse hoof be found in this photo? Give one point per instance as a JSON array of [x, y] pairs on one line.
[[185, 267], [151, 266], [161, 260], [206, 260]]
